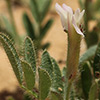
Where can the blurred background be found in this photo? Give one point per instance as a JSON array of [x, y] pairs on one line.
[[55, 36]]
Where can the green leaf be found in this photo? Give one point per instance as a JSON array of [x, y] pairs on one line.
[[55, 96], [43, 6], [29, 53], [8, 26], [11, 29], [88, 54], [93, 91], [45, 29], [3, 30], [57, 84], [34, 10], [12, 56], [64, 72], [96, 64], [28, 26], [44, 84], [46, 63], [28, 75], [86, 79]]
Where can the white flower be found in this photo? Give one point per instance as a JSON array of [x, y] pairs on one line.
[[69, 19]]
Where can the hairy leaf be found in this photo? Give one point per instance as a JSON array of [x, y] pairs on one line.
[[43, 6], [45, 29], [28, 26], [28, 75], [88, 54], [57, 84], [46, 63], [8, 26], [34, 9], [86, 78], [29, 53], [44, 84], [12, 56]]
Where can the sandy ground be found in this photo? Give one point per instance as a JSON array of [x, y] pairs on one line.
[[55, 36]]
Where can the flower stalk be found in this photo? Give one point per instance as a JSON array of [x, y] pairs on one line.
[[68, 90], [73, 55], [72, 62], [71, 23]]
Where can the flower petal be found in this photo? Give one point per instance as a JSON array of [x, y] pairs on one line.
[[60, 10], [76, 27], [63, 15], [67, 9], [77, 14], [81, 15]]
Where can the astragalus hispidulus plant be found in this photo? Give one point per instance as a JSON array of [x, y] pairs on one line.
[[79, 80]]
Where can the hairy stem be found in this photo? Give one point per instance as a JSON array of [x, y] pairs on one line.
[[68, 90], [74, 40]]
